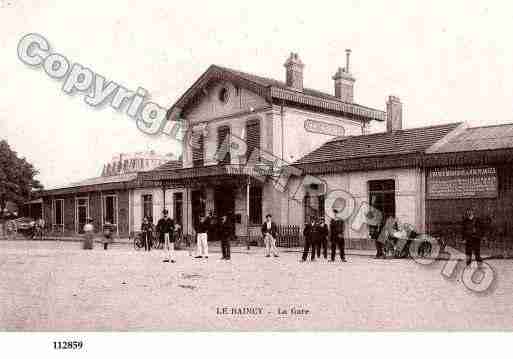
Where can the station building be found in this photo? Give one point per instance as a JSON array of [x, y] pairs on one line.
[[257, 145]]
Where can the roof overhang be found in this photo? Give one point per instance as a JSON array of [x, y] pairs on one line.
[[273, 94]]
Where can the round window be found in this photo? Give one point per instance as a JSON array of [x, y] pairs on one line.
[[223, 95]]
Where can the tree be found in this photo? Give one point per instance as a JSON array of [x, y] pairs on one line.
[[17, 182]]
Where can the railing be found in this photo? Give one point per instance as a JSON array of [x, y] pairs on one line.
[[288, 236]]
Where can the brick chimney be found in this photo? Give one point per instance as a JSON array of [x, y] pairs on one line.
[[344, 82], [294, 72], [394, 114]]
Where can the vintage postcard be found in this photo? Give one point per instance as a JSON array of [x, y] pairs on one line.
[[255, 166]]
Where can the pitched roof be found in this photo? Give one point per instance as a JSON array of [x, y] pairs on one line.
[[266, 81], [399, 142], [108, 182], [277, 90], [479, 139], [125, 177]]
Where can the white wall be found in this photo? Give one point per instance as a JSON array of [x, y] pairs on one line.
[[409, 195], [297, 140]]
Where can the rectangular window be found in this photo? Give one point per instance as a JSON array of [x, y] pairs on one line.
[[253, 140], [197, 150], [223, 145], [110, 209], [313, 207], [255, 205], [58, 212], [147, 204], [382, 197]]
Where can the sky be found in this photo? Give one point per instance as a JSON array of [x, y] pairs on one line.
[[448, 61]]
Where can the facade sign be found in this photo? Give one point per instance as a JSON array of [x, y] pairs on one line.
[[462, 182], [324, 128]]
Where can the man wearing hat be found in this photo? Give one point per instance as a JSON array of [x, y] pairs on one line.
[[202, 228], [224, 233], [337, 237], [322, 240], [310, 236], [165, 227], [270, 232]]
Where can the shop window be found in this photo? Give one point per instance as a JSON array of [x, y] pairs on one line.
[[382, 197], [313, 207], [147, 202], [110, 209], [255, 205]]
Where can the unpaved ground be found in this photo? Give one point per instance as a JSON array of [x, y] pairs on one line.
[[59, 287]]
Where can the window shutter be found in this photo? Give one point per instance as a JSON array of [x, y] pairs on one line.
[[253, 138], [223, 133], [197, 150]]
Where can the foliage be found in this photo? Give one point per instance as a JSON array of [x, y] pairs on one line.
[[17, 177]]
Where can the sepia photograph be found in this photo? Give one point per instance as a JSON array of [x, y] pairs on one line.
[[188, 166]]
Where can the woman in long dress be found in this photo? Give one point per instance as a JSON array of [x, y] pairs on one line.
[[88, 234]]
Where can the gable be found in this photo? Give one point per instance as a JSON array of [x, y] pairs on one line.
[[221, 98]]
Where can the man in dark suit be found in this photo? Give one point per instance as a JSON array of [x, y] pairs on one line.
[[472, 230], [322, 238], [270, 233], [212, 222], [310, 236], [224, 233], [337, 237], [165, 228]]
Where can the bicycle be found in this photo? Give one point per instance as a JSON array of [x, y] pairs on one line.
[[139, 240]]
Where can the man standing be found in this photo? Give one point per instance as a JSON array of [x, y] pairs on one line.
[[202, 237], [309, 234], [375, 227], [224, 233], [211, 232], [165, 228], [337, 237], [107, 234], [146, 233], [471, 233], [322, 240], [270, 232]]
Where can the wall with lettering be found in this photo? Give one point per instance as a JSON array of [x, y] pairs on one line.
[[462, 182], [304, 131]]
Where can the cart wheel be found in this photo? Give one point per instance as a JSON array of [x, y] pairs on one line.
[[138, 244]]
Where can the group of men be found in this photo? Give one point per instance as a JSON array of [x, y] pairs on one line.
[[316, 235], [206, 228]]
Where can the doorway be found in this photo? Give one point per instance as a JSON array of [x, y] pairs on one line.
[[178, 208], [224, 201], [82, 213]]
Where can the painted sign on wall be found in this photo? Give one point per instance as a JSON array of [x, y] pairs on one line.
[[464, 182], [324, 128]]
